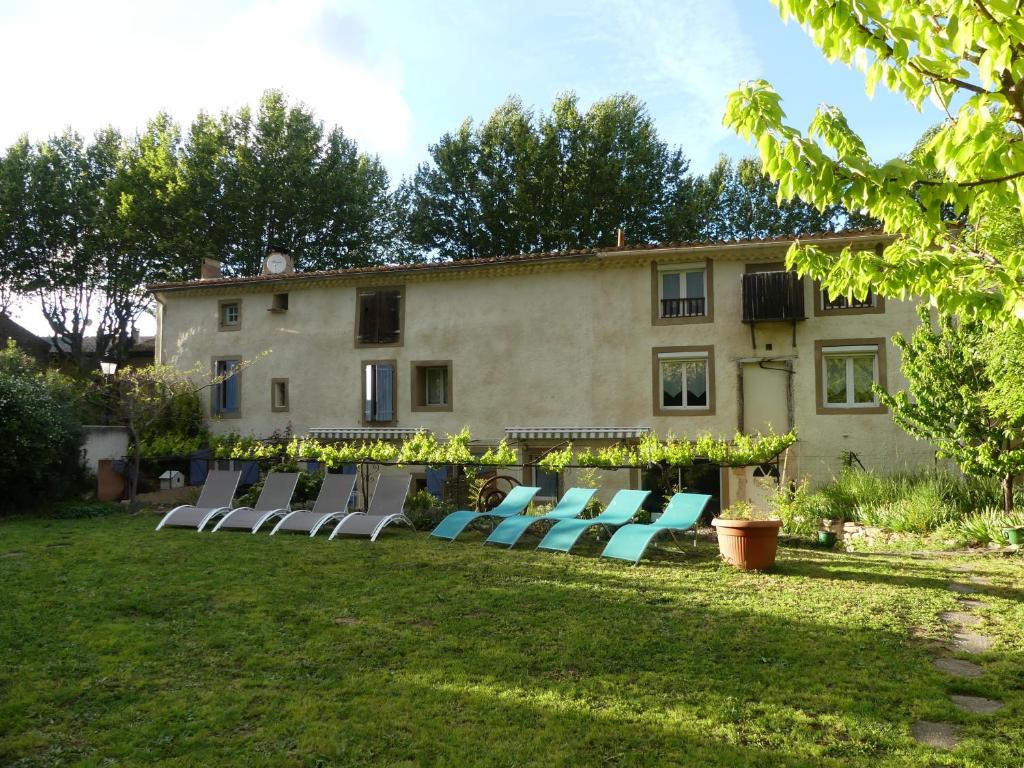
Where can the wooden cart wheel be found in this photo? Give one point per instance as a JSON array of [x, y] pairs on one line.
[[494, 491]]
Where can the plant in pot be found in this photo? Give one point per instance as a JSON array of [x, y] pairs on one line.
[[747, 538]]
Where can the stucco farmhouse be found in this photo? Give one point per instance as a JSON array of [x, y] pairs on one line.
[[594, 346]]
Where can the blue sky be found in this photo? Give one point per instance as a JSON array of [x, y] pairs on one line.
[[396, 74]]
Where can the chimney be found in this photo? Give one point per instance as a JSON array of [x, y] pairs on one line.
[[210, 269], [620, 238]]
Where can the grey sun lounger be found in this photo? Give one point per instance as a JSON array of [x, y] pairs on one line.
[[571, 505], [387, 506], [681, 515], [331, 504], [273, 502], [214, 500], [517, 500], [620, 510]]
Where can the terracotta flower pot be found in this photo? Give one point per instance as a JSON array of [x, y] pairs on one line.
[[750, 545]]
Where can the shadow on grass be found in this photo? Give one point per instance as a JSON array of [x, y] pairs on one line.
[[238, 650]]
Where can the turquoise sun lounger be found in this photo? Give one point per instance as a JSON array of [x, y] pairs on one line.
[[681, 515], [513, 504], [620, 510], [572, 504]]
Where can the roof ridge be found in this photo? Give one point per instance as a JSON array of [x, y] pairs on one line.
[[509, 258]]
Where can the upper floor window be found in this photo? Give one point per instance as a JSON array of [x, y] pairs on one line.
[[230, 315], [848, 370], [379, 316], [844, 304], [379, 392], [684, 292], [847, 302], [226, 393], [681, 293], [683, 380]]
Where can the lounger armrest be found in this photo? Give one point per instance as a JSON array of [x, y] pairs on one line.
[[217, 512], [170, 514]]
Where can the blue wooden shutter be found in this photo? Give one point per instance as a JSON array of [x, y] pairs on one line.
[[383, 397], [230, 387]]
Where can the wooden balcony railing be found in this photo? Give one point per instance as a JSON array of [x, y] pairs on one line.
[[772, 296]]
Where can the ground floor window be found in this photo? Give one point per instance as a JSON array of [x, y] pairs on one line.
[[227, 400], [683, 380], [279, 394], [379, 391], [432, 385], [847, 374], [849, 378], [548, 482]]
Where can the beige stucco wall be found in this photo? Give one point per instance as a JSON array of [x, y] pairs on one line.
[[562, 345]]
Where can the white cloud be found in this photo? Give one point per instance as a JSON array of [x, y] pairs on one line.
[[91, 64], [685, 56]]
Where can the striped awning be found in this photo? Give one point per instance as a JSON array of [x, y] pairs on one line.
[[360, 433], [576, 433]]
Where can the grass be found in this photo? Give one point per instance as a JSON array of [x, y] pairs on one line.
[[121, 646]]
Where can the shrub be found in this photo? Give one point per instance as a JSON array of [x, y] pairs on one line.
[[985, 526], [40, 438], [919, 513], [306, 489], [591, 478], [908, 503], [425, 510], [74, 510], [179, 428], [800, 509]]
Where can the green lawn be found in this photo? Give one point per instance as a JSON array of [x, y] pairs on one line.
[[121, 646]]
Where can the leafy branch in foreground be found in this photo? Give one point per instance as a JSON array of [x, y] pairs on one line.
[[964, 52]]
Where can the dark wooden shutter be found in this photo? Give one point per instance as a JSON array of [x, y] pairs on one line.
[[368, 318], [390, 318]]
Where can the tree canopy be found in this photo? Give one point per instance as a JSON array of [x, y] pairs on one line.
[[738, 201], [966, 56], [959, 398], [522, 181], [86, 224]]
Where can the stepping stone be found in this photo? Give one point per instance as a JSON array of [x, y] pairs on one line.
[[13, 553], [961, 568], [963, 589], [983, 581], [976, 704], [938, 735], [970, 605], [969, 642], [958, 668], [956, 617]]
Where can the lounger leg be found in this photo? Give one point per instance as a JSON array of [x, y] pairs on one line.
[[675, 540]]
